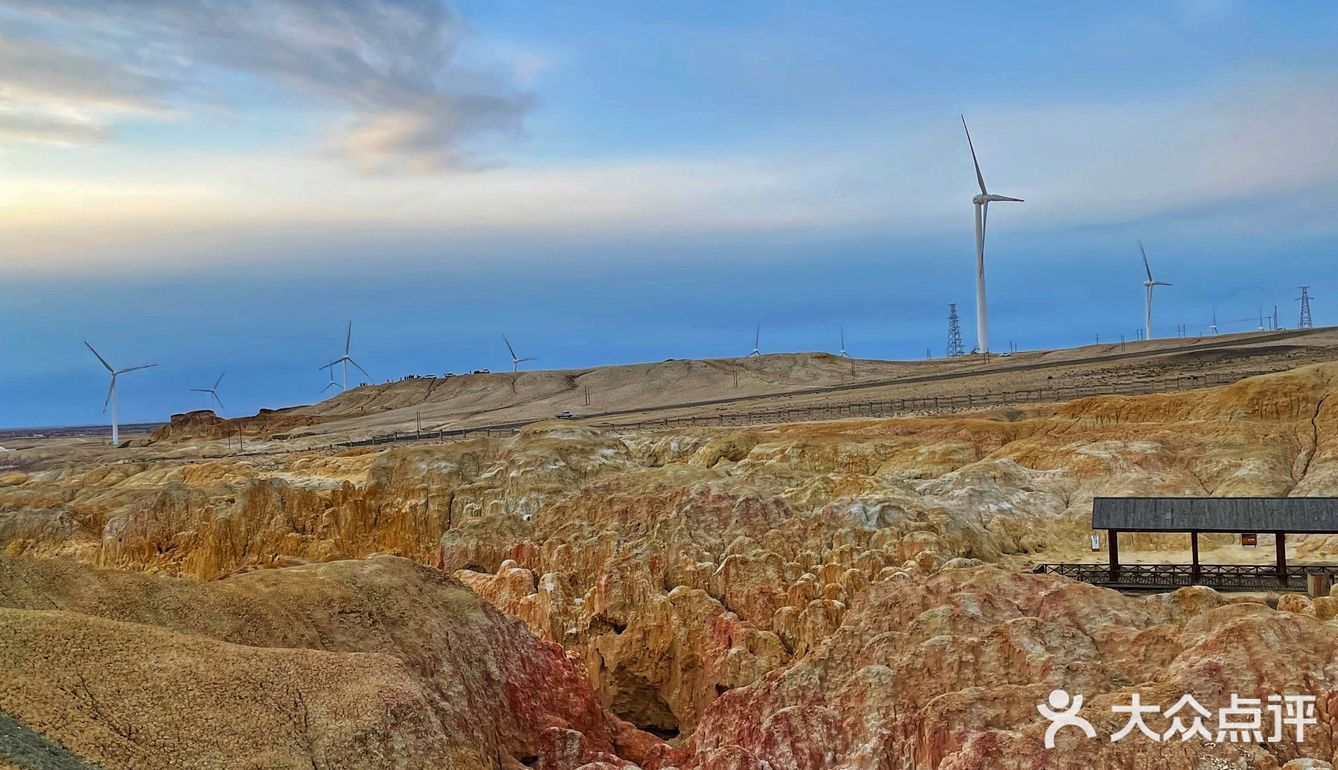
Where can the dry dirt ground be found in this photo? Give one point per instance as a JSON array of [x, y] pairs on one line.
[[635, 394]]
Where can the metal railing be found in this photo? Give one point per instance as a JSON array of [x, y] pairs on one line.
[[1162, 577]]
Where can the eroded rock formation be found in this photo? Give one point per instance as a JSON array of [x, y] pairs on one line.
[[821, 595]]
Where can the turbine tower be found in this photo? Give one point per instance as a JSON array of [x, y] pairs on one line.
[[1147, 293], [111, 392], [346, 359], [843, 344], [1212, 327], [213, 392], [757, 342], [982, 203], [1304, 299], [515, 360]]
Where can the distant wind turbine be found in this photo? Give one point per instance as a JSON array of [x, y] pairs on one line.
[[111, 392], [1212, 327], [332, 383], [516, 361], [346, 359], [843, 345], [1147, 292], [757, 342], [982, 202], [213, 393]]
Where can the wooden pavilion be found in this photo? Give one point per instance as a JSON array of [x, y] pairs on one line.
[[1246, 516]]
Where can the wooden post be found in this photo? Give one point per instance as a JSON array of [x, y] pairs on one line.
[[1113, 540], [1194, 554], [1281, 541]]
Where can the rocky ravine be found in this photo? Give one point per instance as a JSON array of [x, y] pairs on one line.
[[803, 596], [359, 664]]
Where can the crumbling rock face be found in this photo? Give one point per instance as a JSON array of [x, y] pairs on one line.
[[946, 671], [693, 571], [204, 424], [378, 663]]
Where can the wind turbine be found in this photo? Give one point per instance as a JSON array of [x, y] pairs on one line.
[[757, 342], [982, 202], [213, 392], [1147, 292], [516, 361], [111, 392], [346, 359], [332, 383], [843, 345], [1212, 327]]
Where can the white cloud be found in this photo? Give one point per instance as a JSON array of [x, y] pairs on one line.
[[389, 66], [1264, 142]]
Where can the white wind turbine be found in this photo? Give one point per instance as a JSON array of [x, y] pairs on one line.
[[1212, 328], [1147, 293], [982, 202], [213, 393], [346, 359], [757, 342], [516, 361], [332, 384], [843, 345], [111, 392]]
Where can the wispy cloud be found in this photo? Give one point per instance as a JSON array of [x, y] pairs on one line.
[[1248, 156], [385, 71]]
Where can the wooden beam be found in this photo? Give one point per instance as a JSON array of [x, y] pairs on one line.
[[1113, 541], [1194, 554], [1281, 545]]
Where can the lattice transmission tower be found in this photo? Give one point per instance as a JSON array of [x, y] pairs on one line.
[[954, 333], [1305, 308]]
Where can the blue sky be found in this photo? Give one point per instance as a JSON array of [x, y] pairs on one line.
[[613, 182]]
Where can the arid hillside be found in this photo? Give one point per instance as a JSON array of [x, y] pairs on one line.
[[849, 594], [636, 393]]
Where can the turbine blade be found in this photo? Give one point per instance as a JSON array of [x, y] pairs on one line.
[[348, 338], [136, 368], [757, 337], [219, 400], [100, 358], [1146, 266], [523, 360], [110, 388], [509, 349], [364, 371], [200, 390], [984, 220], [979, 177], [220, 379], [332, 363], [1006, 198]]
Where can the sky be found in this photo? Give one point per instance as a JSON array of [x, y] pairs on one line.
[[223, 187]]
